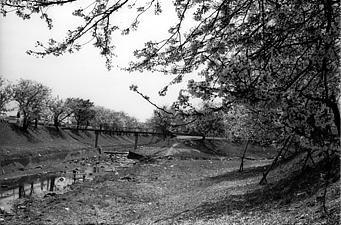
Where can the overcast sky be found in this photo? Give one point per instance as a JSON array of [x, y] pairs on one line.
[[83, 74]]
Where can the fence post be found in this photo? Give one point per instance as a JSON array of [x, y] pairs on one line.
[[136, 140], [96, 138]]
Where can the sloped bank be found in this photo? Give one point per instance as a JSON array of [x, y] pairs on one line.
[[190, 147], [44, 147]]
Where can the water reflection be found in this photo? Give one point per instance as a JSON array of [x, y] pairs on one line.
[[21, 191], [39, 186]]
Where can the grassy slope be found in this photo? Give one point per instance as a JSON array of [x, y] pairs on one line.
[[47, 146], [16, 143]]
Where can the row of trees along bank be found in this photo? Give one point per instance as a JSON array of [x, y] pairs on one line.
[[35, 103]]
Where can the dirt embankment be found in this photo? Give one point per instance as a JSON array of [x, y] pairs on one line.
[[43, 147]]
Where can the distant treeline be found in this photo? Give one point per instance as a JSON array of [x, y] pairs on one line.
[[36, 105]]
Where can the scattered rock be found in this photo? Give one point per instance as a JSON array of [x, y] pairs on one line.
[[300, 194], [127, 178], [133, 155], [50, 195]]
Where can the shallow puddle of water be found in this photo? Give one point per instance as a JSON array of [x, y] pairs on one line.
[[40, 185]]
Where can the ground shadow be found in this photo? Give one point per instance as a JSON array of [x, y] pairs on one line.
[[55, 133], [236, 175], [88, 134], [205, 146], [26, 133], [74, 133], [291, 189]]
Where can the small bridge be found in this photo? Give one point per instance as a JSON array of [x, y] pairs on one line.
[[127, 131], [136, 132]]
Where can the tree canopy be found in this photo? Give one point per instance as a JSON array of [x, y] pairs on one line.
[[82, 110], [5, 94], [110, 119], [278, 57], [32, 98], [59, 109], [98, 17]]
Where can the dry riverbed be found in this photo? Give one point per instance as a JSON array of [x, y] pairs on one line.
[[62, 180], [177, 191]]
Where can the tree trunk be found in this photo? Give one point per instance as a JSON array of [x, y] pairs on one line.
[[56, 122], [32, 189], [263, 180], [305, 162], [25, 122], [21, 191], [241, 168], [35, 123], [52, 184], [336, 112]]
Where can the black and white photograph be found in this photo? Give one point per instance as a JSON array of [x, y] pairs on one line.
[[170, 112]]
